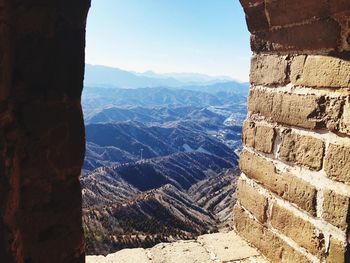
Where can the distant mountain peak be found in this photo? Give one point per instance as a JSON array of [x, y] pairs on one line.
[[104, 76]]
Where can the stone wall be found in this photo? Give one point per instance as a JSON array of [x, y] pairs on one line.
[[294, 192], [41, 130]]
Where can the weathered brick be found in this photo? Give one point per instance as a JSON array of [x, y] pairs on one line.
[[264, 138], [337, 163], [258, 136], [285, 12], [252, 200], [249, 131], [268, 70], [285, 185], [302, 150], [344, 125], [256, 17], [316, 35], [290, 109], [298, 229], [274, 248], [320, 71], [338, 252], [307, 111], [336, 209]]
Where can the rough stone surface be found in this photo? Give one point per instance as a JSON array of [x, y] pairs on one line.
[[302, 150], [138, 255], [338, 252], [285, 108], [286, 12], [344, 126], [181, 251], [258, 136], [274, 248], [268, 70], [320, 71], [300, 82], [210, 248], [337, 163], [287, 186], [292, 226], [336, 209], [256, 10], [316, 35], [306, 111], [252, 200], [41, 130], [227, 247]]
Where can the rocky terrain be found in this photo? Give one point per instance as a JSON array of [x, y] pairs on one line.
[[210, 248], [160, 164]]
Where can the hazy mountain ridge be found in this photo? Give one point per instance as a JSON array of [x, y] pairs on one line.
[[102, 76], [160, 162], [124, 141]]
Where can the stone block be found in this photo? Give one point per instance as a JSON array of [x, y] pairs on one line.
[[320, 71], [306, 111], [252, 200], [302, 150], [337, 163], [316, 35], [274, 248], [287, 12], [258, 136], [256, 17], [287, 186], [336, 209], [301, 231], [268, 70], [338, 252]]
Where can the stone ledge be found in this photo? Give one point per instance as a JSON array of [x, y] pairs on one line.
[[210, 248]]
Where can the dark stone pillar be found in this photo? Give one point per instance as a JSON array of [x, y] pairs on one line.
[[41, 130]]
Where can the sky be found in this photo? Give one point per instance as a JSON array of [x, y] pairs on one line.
[[167, 36]]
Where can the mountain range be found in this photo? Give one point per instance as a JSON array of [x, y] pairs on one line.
[[102, 76], [161, 156]]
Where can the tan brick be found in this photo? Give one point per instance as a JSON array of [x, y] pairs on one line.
[[248, 136], [307, 111], [285, 108], [338, 252], [285, 185], [320, 71], [337, 163], [344, 125], [298, 229], [302, 150], [268, 70], [264, 138], [271, 246], [258, 136], [336, 209], [252, 200]]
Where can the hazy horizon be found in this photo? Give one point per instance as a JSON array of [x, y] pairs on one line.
[[170, 37], [214, 77]]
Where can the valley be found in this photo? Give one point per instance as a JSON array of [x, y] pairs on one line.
[[161, 162]]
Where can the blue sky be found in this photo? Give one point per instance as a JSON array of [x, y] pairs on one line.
[[199, 36]]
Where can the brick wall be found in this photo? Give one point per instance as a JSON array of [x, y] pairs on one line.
[[294, 192]]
